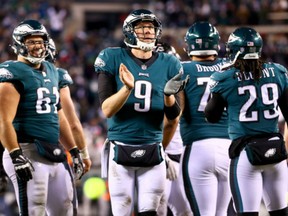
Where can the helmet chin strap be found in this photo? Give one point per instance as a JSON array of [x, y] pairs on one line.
[[142, 46], [145, 46], [35, 60]]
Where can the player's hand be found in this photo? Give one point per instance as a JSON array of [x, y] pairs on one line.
[[126, 76], [87, 165], [78, 167], [171, 172], [23, 166], [174, 85], [84, 154]]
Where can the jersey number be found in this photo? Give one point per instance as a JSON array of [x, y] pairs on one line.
[[204, 99], [43, 104], [143, 91], [269, 96]]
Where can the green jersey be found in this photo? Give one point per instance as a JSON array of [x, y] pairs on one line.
[[252, 105], [64, 78], [36, 115], [140, 119], [193, 125]]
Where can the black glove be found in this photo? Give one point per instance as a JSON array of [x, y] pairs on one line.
[[174, 85], [22, 165], [78, 166]]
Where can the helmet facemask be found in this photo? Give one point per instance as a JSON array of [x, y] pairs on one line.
[[26, 29], [131, 38], [52, 52], [165, 47]]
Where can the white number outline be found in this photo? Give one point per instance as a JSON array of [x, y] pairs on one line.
[[205, 97], [265, 98], [43, 101], [143, 91]]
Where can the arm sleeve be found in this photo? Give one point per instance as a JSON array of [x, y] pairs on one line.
[[214, 108], [106, 86]]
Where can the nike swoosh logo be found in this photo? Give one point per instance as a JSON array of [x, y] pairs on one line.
[[6, 65]]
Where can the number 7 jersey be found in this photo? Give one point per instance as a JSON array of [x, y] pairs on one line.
[[251, 102], [193, 126]]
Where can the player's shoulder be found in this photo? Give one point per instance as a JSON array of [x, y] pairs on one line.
[[11, 65], [223, 75], [108, 55], [111, 51], [64, 76], [12, 69], [61, 70], [276, 66], [166, 56]]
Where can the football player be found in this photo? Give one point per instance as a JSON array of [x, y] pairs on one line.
[[31, 123], [205, 159], [68, 107], [252, 91], [136, 88], [174, 196]]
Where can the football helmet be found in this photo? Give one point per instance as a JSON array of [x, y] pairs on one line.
[[131, 39], [202, 39], [165, 47], [244, 43], [52, 52], [29, 28]]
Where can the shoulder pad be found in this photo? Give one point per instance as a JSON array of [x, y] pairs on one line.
[[281, 67]]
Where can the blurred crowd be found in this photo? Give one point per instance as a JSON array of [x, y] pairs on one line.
[[77, 50]]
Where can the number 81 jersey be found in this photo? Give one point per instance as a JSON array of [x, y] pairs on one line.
[[252, 105], [36, 115]]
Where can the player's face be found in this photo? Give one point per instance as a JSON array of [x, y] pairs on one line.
[[145, 32], [35, 46]]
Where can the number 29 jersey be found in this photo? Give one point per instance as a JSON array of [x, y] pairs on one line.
[[36, 116], [252, 105], [140, 120]]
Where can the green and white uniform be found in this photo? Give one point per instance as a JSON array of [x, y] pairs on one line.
[[205, 159], [139, 122], [37, 118], [253, 110]]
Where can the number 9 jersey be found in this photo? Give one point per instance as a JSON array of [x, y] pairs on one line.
[[251, 102], [36, 116], [141, 117]]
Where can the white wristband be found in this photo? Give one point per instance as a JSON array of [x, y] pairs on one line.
[[84, 153]]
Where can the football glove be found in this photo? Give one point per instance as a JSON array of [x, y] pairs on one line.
[[78, 167], [22, 165], [171, 172], [174, 85]]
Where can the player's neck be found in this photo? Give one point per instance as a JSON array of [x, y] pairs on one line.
[[22, 59], [141, 54], [203, 58]]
